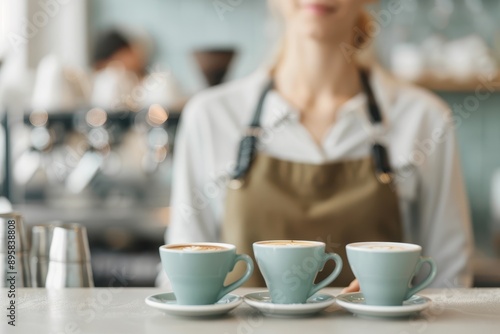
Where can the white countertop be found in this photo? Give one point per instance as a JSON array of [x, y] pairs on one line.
[[123, 310]]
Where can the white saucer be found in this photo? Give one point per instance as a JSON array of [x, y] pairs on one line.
[[262, 302], [167, 303], [355, 303]]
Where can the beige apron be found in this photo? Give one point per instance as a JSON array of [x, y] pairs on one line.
[[337, 203]]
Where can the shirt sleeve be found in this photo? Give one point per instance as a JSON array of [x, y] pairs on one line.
[[192, 218], [444, 226]]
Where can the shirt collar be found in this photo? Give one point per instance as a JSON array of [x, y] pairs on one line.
[[276, 109]]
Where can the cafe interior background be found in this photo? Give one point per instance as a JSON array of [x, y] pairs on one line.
[[58, 118]]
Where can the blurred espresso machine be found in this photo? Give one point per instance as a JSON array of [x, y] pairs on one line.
[[105, 167], [107, 170]]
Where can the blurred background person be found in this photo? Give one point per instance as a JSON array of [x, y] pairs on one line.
[[124, 77]]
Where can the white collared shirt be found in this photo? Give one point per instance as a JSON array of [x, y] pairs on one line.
[[417, 131]]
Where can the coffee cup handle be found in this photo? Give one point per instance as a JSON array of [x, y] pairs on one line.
[[227, 289], [336, 271], [427, 280]]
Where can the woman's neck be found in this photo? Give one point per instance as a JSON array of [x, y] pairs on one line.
[[316, 78], [312, 69]]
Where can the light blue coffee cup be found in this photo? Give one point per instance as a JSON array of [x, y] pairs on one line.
[[290, 267], [197, 276], [385, 270]]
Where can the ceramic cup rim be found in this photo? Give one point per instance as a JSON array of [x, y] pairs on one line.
[[409, 248], [266, 244], [169, 248]]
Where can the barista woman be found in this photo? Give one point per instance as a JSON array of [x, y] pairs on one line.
[[319, 148]]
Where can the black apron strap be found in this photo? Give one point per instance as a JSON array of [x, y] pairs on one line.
[[379, 152], [373, 109], [248, 143], [260, 105]]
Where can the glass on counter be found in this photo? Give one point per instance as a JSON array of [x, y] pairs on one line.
[[456, 41]]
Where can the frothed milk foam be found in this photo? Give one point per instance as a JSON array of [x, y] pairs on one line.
[[287, 243], [197, 248], [382, 246]]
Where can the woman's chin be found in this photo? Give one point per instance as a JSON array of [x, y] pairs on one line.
[[320, 34]]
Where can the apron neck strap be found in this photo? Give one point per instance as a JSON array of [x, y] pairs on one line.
[[248, 143], [373, 109], [380, 156], [260, 105]]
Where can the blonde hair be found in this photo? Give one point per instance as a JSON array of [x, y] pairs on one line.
[[364, 21]]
